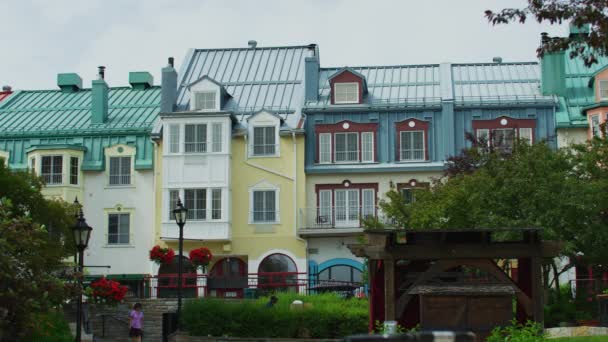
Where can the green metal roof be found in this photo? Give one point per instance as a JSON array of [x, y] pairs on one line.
[[54, 117], [578, 93]]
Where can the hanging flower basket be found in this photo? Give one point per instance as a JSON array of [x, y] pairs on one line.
[[162, 255], [107, 292], [200, 257]]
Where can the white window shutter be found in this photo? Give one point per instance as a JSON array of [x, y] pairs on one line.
[[325, 148], [367, 147]]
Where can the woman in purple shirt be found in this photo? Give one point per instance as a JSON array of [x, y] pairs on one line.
[[136, 323]]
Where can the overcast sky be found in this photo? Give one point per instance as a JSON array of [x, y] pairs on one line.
[[41, 38]]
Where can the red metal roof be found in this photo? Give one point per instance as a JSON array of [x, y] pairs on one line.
[[4, 94]]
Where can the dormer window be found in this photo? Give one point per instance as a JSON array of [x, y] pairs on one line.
[[346, 93], [603, 90], [204, 100], [264, 141]]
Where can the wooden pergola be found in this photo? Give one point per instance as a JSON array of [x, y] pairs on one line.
[[402, 260]]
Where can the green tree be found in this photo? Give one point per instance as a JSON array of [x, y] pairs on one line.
[[579, 12], [34, 242]]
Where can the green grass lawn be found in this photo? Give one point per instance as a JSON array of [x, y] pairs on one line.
[[581, 339]]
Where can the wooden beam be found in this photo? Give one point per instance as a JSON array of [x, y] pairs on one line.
[[537, 291], [465, 251], [389, 290]]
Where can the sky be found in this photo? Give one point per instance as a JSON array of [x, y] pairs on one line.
[[42, 38]]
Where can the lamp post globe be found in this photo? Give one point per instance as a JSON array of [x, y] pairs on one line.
[[180, 214], [82, 233]]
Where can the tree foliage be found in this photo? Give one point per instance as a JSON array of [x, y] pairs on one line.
[[34, 242], [579, 12]]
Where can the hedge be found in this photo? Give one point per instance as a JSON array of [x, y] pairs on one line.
[[327, 316], [51, 327]]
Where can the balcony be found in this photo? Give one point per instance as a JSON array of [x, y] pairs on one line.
[[337, 221]]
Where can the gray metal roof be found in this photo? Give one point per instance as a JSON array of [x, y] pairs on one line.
[[474, 83], [270, 78]]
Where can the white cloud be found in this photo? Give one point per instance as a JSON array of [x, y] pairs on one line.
[[43, 38]]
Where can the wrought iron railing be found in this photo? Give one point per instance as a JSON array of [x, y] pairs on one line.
[[340, 217]]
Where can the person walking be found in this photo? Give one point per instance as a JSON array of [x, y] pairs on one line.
[[136, 323]]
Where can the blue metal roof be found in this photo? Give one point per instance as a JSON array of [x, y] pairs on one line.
[[270, 78], [422, 85]]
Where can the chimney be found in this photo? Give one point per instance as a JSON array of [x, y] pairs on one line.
[[7, 88], [252, 44], [497, 60], [311, 78], [69, 82], [99, 98], [168, 83], [553, 71]]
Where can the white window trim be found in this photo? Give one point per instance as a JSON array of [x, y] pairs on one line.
[[277, 142], [486, 131], [118, 209], [64, 174], [198, 92], [595, 116], [373, 159], [358, 149], [170, 136], [207, 141], [346, 102], [599, 86], [330, 135], [265, 187], [208, 201], [423, 147], [78, 175], [113, 151]]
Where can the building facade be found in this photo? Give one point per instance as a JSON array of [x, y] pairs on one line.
[[92, 144]]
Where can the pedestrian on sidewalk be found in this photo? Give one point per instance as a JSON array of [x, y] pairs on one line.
[[136, 323]]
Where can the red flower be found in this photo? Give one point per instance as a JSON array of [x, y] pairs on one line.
[[200, 256], [161, 255], [108, 291]]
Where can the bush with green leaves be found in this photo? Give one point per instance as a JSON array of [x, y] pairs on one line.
[[50, 327], [517, 332], [323, 316]]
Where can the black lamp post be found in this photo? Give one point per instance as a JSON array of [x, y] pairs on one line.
[[82, 234], [180, 214]]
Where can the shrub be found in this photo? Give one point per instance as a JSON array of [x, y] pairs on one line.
[[51, 327], [516, 332], [326, 316]]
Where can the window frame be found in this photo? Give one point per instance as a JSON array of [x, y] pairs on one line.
[[197, 142], [74, 172], [174, 133], [346, 101], [412, 125], [265, 210], [346, 185], [198, 93], [346, 126], [348, 152], [595, 126], [52, 172], [119, 214], [121, 159], [602, 89], [275, 146], [504, 123]]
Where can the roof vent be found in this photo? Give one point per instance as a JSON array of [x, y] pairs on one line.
[[141, 80], [497, 60], [102, 72], [6, 88], [171, 62], [69, 82], [252, 44]]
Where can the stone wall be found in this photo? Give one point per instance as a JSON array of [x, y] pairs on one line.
[[115, 324], [577, 331], [187, 338]]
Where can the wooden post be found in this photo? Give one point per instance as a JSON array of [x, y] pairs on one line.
[[389, 290], [537, 290], [371, 273]]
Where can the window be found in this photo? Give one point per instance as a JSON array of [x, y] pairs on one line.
[[408, 195], [196, 202], [412, 146], [368, 199], [346, 147], [344, 205], [173, 138], [73, 170], [173, 197], [503, 139], [341, 273], [120, 170], [325, 207], [33, 165], [483, 136], [264, 206], [603, 90], [526, 134], [216, 204], [216, 137], [285, 270], [204, 100], [118, 229], [325, 148], [367, 147], [346, 93], [264, 141], [595, 126], [196, 138], [52, 169]]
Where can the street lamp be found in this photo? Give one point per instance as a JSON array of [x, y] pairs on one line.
[[82, 234], [180, 214]]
